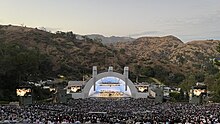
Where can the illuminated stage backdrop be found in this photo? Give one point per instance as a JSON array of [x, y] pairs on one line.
[[109, 84]]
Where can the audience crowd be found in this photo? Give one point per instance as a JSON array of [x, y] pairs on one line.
[[111, 111]]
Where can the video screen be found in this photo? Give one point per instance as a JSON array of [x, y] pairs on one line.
[[197, 92], [75, 89], [52, 89], [23, 92], [142, 89]]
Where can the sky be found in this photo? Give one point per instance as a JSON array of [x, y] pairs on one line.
[[185, 19]]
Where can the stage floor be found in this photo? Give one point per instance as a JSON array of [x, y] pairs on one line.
[[108, 95]]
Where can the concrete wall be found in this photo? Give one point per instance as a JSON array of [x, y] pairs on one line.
[[159, 95], [195, 100], [77, 95], [25, 100], [142, 95]]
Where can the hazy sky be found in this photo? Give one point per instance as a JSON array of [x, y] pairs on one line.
[[186, 19]]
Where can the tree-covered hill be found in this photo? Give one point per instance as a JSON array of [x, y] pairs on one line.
[[33, 54]]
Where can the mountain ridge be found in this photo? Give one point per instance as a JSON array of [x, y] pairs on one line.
[[77, 56], [109, 40]]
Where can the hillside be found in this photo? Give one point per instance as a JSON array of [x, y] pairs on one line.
[[171, 52], [75, 57], [109, 40], [70, 56]]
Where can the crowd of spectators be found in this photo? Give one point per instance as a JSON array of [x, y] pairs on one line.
[[111, 111]]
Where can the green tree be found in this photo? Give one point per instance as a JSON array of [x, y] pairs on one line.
[[18, 64], [200, 77], [176, 78], [216, 85], [161, 73], [178, 96], [137, 71], [122, 51], [148, 71], [188, 82]]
